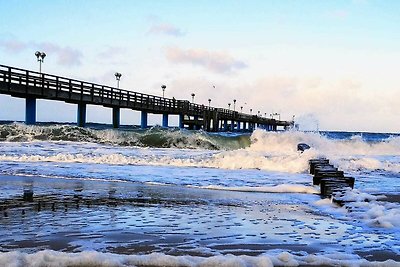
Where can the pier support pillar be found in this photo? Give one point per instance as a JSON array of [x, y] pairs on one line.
[[81, 116], [116, 117], [275, 128], [251, 126], [143, 120], [238, 126], [225, 125], [30, 110], [165, 120], [196, 126], [232, 125], [181, 125]]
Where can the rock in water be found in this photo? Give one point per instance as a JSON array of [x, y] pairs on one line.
[[302, 147]]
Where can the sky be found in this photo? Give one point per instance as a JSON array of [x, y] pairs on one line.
[[334, 65]]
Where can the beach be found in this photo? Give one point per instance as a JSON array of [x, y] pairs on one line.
[[127, 204]]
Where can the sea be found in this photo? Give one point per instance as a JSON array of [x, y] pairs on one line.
[[175, 197]]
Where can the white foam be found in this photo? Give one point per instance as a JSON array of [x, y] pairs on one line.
[[367, 208], [282, 188], [268, 151], [91, 258]]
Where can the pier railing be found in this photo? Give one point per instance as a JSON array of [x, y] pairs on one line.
[[25, 83]]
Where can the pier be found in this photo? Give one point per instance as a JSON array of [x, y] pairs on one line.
[[32, 85]]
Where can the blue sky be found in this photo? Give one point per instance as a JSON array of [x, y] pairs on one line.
[[331, 62]]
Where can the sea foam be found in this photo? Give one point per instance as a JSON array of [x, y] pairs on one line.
[[91, 258]]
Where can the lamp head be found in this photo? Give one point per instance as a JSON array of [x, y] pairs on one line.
[[163, 86], [118, 75]]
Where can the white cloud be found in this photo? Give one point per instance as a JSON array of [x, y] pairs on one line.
[[65, 56], [217, 62], [167, 29]]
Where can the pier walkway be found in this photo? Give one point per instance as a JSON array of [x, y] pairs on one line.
[[33, 85]]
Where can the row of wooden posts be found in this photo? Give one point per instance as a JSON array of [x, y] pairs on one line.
[[332, 181]]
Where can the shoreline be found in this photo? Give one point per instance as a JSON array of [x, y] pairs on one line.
[[130, 218]]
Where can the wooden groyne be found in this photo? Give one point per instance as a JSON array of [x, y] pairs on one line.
[[32, 85], [332, 181]]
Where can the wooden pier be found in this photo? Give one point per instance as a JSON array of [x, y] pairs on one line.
[[33, 85]]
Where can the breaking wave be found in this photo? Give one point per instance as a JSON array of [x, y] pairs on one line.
[[271, 151], [153, 137]]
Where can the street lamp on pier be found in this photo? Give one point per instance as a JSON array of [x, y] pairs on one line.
[[234, 105], [163, 90], [241, 109], [118, 78], [229, 106], [40, 57], [193, 95], [209, 102], [251, 111]]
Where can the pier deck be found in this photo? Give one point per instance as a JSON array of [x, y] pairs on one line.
[[33, 85]]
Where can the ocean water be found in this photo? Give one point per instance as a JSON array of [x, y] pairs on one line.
[[170, 197]]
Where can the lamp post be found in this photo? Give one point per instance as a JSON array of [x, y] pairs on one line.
[[241, 109], [251, 110], [258, 114], [40, 57], [234, 105], [265, 114], [229, 106], [118, 78], [193, 95], [209, 102], [163, 90]]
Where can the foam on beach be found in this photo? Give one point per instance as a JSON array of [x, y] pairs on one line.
[[91, 258]]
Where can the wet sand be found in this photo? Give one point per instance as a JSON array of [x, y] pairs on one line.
[[131, 218]]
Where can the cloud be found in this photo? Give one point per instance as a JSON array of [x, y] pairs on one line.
[[13, 46], [65, 56], [214, 61], [167, 29]]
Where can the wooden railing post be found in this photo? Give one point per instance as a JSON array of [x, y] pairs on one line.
[[81, 91], [9, 79], [42, 89], [70, 90], [57, 85], [26, 82]]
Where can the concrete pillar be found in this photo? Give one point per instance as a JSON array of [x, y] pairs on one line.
[[30, 110], [232, 126], [116, 117], [181, 125], [165, 120], [143, 121], [244, 126], [81, 116], [196, 118], [225, 125], [275, 127], [251, 126], [238, 126]]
